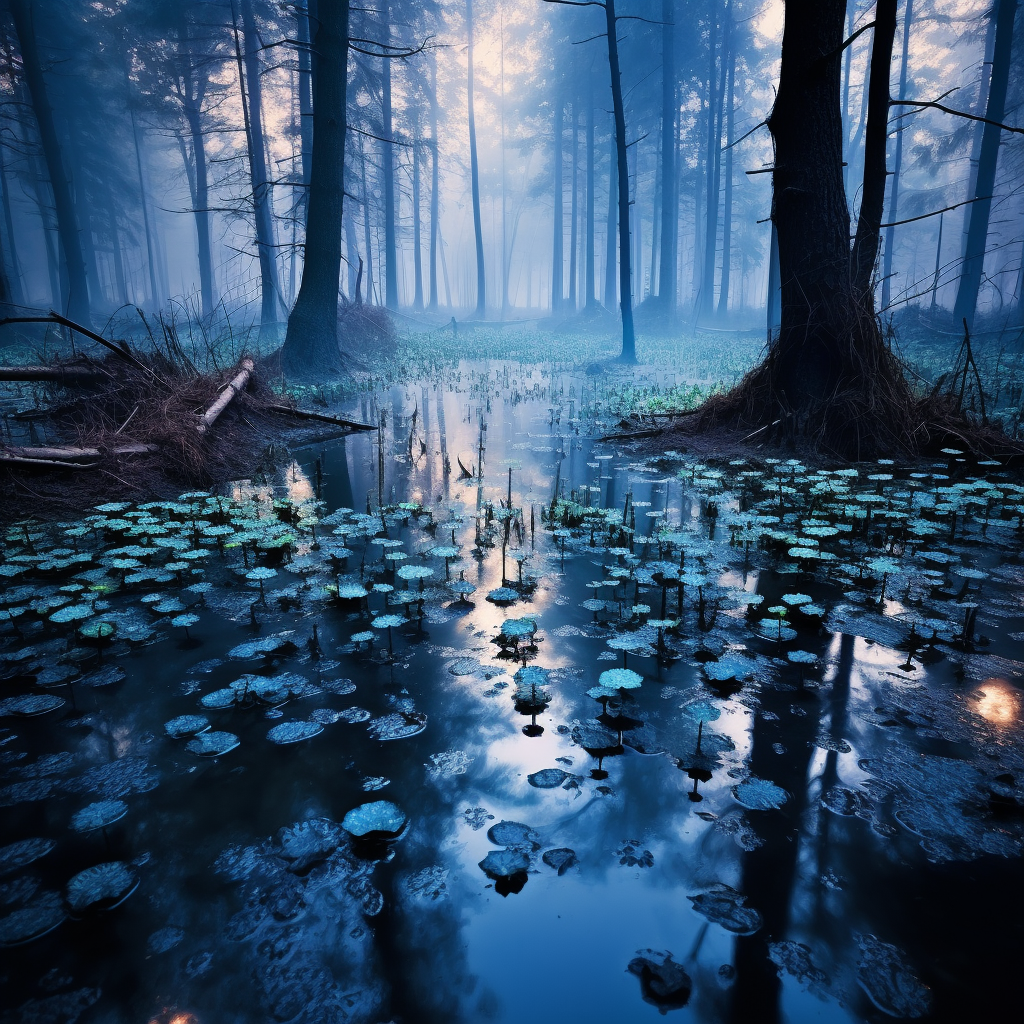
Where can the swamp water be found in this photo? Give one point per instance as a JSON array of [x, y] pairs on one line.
[[268, 760]]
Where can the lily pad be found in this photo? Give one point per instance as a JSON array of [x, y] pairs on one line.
[[213, 744], [399, 725], [379, 819], [547, 778], [294, 732], [102, 887], [760, 794], [30, 705], [561, 859], [31, 922], [186, 725], [663, 982], [723, 905], [98, 815], [22, 853]]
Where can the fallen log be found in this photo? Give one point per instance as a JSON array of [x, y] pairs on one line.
[[61, 374], [237, 383], [632, 435], [72, 453], [302, 414], [17, 460]]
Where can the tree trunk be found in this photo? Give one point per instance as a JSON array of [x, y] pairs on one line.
[[977, 232], [435, 199], [865, 246], [706, 294], [366, 221], [305, 83], [388, 170], [574, 207], [474, 170], [557, 256], [67, 224], [668, 259], [851, 14], [723, 296], [938, 263], [201, 209], [591, 282], [809, 206], [978, 130], [311, 345], [897, 165], [417, 254], [611, 251], [13, 291], [251, 90], [628, 353]]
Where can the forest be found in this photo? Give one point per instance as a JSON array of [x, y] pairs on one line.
[[511, 509]]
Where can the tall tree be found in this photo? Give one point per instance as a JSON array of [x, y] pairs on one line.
[[723, 295], [311, 344], [591, 284], [474, 170], [77, 301], [557, 256], [388, 165], [435, 185], [667, 266], [897, 166], [611, 247], [714, 167], [977, 233], [251, 92]]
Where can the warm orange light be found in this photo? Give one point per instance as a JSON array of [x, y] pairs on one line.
[[174, 1017], [998, 702]]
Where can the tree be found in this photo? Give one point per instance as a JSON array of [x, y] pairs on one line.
[[667, 267], [474, 170], [311, 344], [557, 257], [980, 210], [77, 300]]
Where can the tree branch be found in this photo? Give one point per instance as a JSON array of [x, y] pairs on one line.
[[956, 113]]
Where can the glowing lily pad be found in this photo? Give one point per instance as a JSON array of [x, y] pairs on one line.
[[30, 705], [102, 887], [213, 744], [723, 905], [98, 815], [760, 794], [399, 725], [547, 778], [186, 725], [22, 853], [379, 819], [294, 732], [31, 922]]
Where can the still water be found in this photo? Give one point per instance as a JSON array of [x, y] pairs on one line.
[[744, 835]]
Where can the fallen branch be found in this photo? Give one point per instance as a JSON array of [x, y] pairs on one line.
[[17, 460], [237, 384], [63, 374], [631, 434], [56, 318], [73, 453], [287, 410]]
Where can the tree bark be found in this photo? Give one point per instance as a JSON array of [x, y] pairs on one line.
[[897, 166], [977, 232], [809, 210], [311, 345], [865, 246], [628, 353], [11, 285], [667, 270], [474, 170], [78, 306], [557, 256], [305, 84], [985, 80]]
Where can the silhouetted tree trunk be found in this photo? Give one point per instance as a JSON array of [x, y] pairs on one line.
[[865, 245], [311, 345], [251, 91], [304, 15], [611, 253], [668, 259], [435, 197], [417, 254], [591, 282], [474, 169], [851, 13], [897, 166], [628, 353], [574, 207], [367, 243], [977, 233], [78, 307], [557, 256], [707, 271], [13, 290], [388, 165], [978, 131], [723, 296]]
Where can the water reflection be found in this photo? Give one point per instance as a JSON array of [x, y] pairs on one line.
[[998, 702]]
